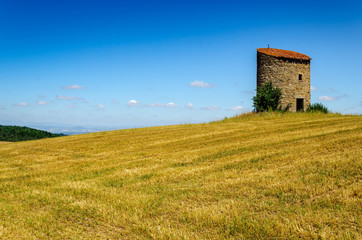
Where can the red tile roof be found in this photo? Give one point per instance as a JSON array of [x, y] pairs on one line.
[[283, 53]]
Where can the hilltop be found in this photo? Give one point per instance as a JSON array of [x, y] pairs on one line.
[[251, 177], [17, 133]]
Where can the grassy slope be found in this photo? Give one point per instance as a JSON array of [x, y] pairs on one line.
[[268, 176]]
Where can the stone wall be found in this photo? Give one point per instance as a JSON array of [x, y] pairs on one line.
[[284, 74]]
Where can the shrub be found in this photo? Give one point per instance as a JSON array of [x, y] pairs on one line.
[[317, 107], [268, 98]]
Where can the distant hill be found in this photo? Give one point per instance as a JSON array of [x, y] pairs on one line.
[[17, 134]]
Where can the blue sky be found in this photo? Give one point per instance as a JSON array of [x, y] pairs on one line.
[[117, 64]]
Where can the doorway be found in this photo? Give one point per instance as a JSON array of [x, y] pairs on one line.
[[300, 104]]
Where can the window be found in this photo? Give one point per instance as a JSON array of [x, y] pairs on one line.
[[300, 77]]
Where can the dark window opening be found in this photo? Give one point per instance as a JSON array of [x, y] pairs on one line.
[[300, 104], [300, 77]]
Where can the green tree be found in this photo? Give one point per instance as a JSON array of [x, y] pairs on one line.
[[268, 98]]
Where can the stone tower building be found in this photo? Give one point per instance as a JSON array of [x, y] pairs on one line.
[[287, 70]]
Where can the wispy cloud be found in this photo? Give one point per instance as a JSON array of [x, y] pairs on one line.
[[69, 98], [73, 87], [100, 106], [22, 104], [313, 88], [71, 106], [168, 105], [236, 108], [331, 98], [200, 84], [2, 108], [114, 101], [327, 98], [210, 108], [155, 105], [42, 103], [133, 103], [189, 106]]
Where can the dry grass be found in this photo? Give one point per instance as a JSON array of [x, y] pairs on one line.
[[251, 177]]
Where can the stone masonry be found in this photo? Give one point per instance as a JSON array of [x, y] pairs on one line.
[[287, 70]]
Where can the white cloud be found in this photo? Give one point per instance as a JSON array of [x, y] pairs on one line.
[[200, 84], [313, 88], [100, 106], [210, 108], [189, 106], [68, 98], [73, 87], [237, 108], [22, 104], [42, 103], [133, 103], [171, 105], [327, 98]]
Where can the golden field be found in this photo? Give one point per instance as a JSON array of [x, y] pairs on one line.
[[268, 176]]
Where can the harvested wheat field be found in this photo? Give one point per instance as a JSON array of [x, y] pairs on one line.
[[250, 177]]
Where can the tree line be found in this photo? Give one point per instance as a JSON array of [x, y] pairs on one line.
[[16, 134]]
